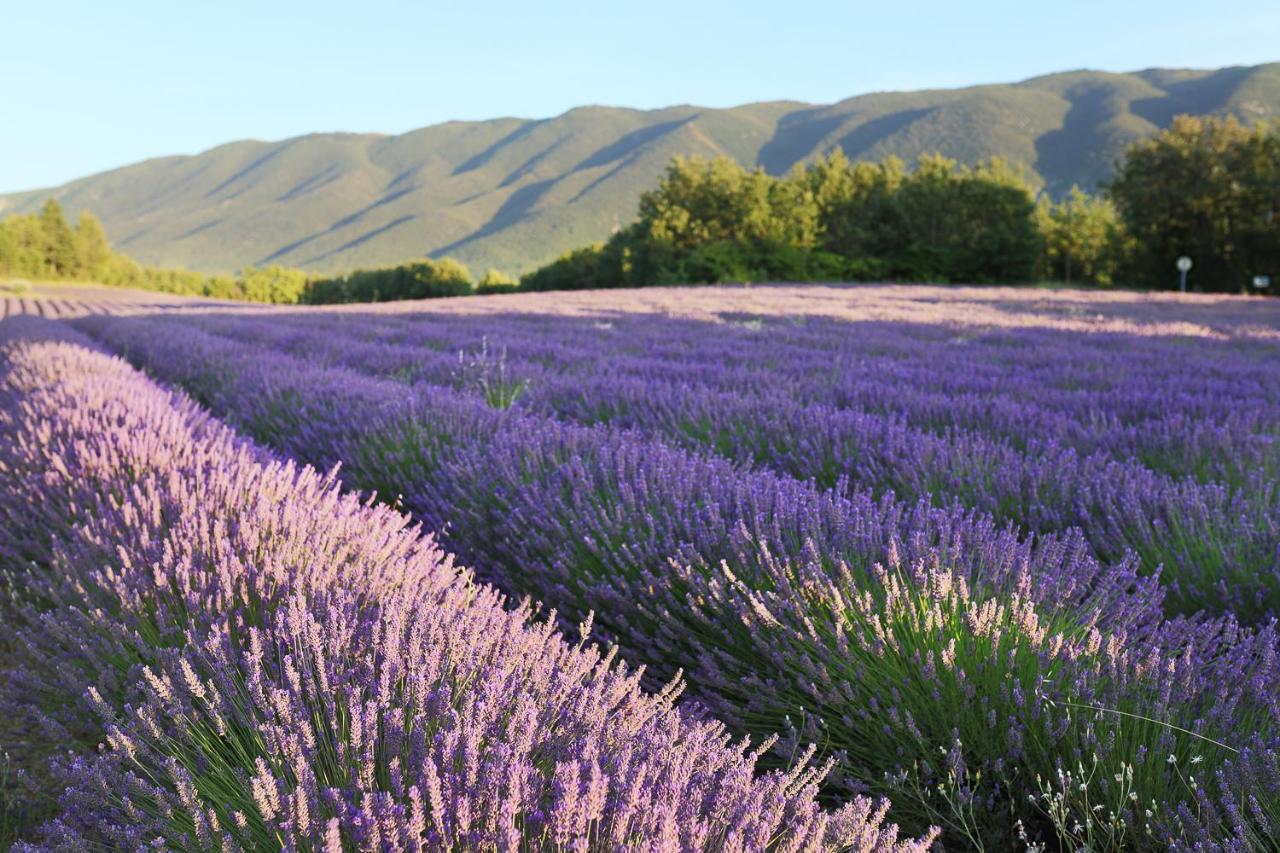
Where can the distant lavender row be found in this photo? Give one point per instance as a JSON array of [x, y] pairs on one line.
[[273, 664], [1142, 397], [937, 657], [1219, 544]]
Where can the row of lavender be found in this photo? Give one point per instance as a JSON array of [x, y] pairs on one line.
[[995, 685], [1131, 396], [1180, 467], [272, 664]]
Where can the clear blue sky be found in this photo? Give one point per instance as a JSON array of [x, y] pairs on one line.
[[92, 85]]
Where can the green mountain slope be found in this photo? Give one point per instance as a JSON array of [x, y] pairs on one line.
[[513, 193]]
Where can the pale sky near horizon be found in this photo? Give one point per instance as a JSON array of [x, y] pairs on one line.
[[90, 86]]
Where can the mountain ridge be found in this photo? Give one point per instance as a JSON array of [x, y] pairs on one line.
[[512, 192]]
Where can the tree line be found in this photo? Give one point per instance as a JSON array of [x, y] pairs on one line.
[[44, 246], [710, 221], [418, 279], [1207, 188]]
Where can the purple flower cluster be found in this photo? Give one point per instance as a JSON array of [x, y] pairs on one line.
[[269, 663], [935, 655]]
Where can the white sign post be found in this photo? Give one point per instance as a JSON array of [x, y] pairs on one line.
[[1184, 266]]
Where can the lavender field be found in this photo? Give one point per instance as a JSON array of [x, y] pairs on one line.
[[778, 568]]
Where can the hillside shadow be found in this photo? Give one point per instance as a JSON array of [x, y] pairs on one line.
[[363, 238], [337, 225], [485, 156], [214, 223], [627, 143], [252, 167], [801, 133], [1196, 96], [875, 130], [797, 136], [1058, 151], [516, 206], [321, 179]]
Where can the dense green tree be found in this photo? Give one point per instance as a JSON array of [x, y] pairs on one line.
[[496, 281], [8, 251], [272, 284], [92, 249], [940, 221], [1206, 188], [968, 225], [1083, 238], [858, 214], [712, 220], [578, 269], [419, 279], [59, 242], [28, 255]]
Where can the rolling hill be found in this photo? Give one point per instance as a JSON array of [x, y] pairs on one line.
[[512, 193]]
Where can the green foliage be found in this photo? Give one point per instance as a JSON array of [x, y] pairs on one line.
[[93, 252], [1083, 238], [496, 281], [8, 250], [420, 279], [713, 221], [858, 217], [26, 249], [1208, 189], [940, 222], [579, 269], [273, 284], [60, 258], [43, 246], [701, 202]]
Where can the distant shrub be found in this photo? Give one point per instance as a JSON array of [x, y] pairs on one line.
[[864, 269], [496, 281], [579, 269], [720, 261], [273, 284], [420, 279]]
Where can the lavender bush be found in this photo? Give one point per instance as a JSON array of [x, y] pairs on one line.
[[933, 654], [270, 663], [1239, 810], [1180, 470]]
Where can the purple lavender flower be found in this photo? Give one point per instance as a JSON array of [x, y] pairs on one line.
[[264, 662]]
